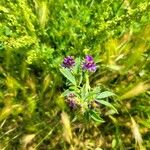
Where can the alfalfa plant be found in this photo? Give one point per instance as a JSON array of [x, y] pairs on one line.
[[80, 96]]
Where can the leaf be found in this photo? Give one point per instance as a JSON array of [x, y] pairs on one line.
[[83, 92], [105, 95], [77, 67], [114, 143], [67, 92], [94, 115], [107, 104], [69, 76], [93, 93]]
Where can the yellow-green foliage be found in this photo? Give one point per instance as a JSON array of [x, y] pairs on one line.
[[35, 35]]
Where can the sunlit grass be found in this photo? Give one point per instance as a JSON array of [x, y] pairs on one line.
[[34, 38]]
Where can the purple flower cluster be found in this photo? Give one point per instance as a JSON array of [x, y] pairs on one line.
[[89, 64], [68, 62], [71, 101]]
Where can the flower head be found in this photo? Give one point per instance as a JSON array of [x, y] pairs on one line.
[[68, 62], [88, 58], [89, 64], [72, 104], [71, 101]]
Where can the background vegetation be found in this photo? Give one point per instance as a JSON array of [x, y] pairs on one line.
[[36, 35]]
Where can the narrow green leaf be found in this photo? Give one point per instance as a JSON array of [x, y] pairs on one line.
[[94, 115], [65, 93], [107, 104], [83, 92], [105, 95], [68, 75], [77, 67]]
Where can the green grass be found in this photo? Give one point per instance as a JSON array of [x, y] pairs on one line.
[[36, 35]]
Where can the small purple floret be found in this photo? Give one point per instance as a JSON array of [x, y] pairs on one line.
[[72, 104], [71, 101], [89, 64], [89, 58], [68, 62]]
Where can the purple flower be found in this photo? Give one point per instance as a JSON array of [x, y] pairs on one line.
[[72, 104], [68, 62], [89, 58], [71, 101], [89, 64]]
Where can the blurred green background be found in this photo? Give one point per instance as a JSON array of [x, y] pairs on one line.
[[35, 36]]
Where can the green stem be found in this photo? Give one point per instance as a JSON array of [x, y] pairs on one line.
[[87, 83]]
